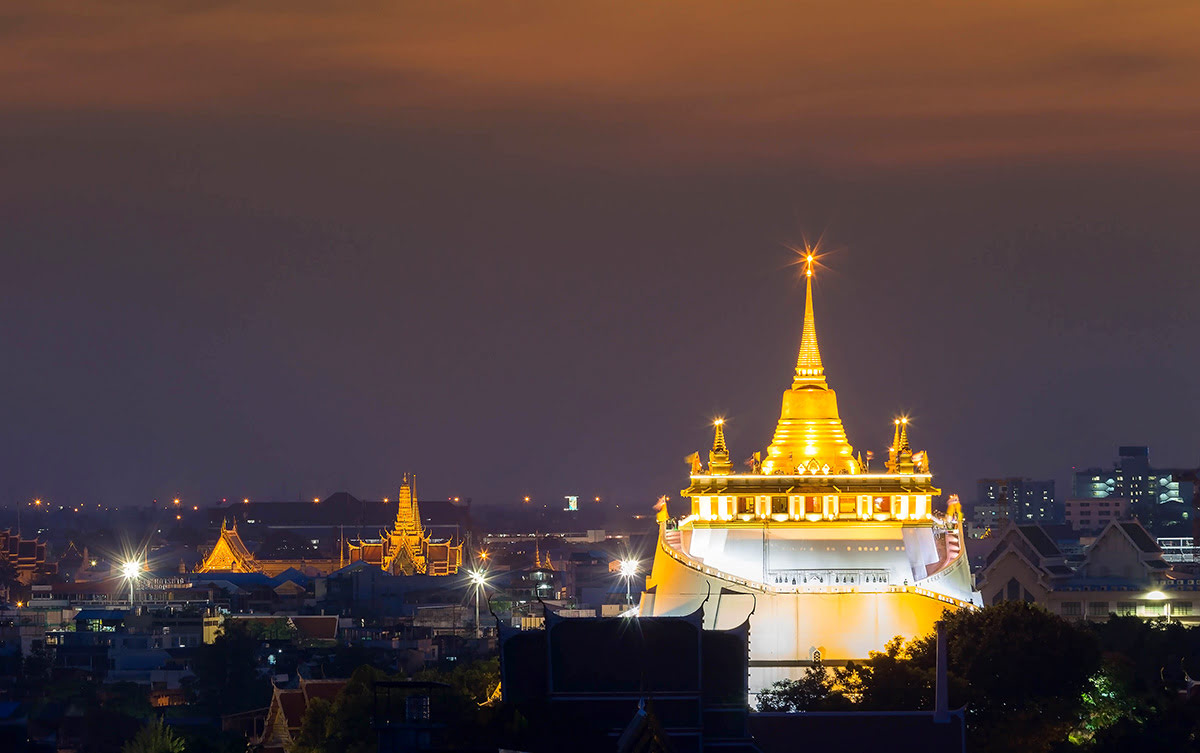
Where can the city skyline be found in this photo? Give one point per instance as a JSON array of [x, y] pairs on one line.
[[406, 243]]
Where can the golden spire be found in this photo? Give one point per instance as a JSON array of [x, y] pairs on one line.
[[809, 368], [718, 457], [809, 437], [719, 437], [894, 450]]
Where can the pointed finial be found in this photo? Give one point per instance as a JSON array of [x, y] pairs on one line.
[[719, 436], [808, 362], [902, 446], [718, 457]]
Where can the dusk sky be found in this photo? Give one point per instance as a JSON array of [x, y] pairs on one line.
[[279, 250]]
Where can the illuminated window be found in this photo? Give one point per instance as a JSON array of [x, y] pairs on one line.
[[1072, 608], [1152, 610], [1126, 608], [745, 505], [779, 505], [1097, 609], [1181, 608]]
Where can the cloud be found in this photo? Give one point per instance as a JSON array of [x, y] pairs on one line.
[[863, 83]]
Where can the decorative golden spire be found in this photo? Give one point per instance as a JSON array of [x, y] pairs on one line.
[[904, 453], [809, 369], [719, 437], [718, 457], [894, 450], [809, 437]]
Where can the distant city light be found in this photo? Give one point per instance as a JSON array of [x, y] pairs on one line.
[[527, 499], [316, 500]]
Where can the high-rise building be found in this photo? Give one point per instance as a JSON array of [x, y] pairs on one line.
[[1020, 500], [1155, 498], [826, 558]]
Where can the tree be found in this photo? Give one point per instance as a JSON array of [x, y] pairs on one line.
[[818, 690], [1021, 671], [227, 681], [155, 737], [345, 725]]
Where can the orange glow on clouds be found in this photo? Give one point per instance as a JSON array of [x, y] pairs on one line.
[[863, 82]]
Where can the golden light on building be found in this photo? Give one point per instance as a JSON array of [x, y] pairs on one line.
[[826, 557]]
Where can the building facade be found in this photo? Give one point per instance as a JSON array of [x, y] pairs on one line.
[[1155, 497], [1021, 500], [1122, 572], [1090, 516], [827, 558]]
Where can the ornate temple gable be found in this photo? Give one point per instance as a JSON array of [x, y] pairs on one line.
[[230, 554]]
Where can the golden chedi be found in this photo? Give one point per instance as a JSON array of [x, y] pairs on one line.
[[826, 558]]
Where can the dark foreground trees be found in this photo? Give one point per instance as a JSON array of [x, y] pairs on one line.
[[1031, 681]]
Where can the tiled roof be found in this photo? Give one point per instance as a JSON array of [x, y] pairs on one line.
[[292, 703], [1043, 543], [1141, 538]]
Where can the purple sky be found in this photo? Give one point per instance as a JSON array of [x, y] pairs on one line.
[[285, 251]]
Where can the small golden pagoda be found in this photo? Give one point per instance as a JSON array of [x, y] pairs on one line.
[[407, 549]]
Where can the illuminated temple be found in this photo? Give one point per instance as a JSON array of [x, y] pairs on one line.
[[408, 549], [827, 558]]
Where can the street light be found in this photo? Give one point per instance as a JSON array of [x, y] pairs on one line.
[[479, 579], [130, 572], [629, 569]]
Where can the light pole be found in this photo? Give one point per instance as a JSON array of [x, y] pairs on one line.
[[479, 579], [130, 571], [629, 569]]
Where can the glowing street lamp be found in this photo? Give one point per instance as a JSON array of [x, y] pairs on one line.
[[629, 569], [479, 580], [130, 572]]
